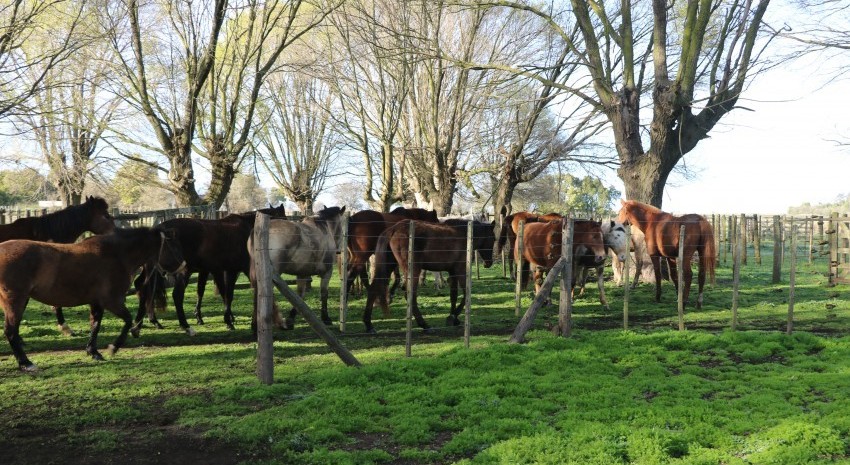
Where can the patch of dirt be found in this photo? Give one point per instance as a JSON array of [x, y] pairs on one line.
[[139, 445]]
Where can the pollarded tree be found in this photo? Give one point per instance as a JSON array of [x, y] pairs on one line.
[[691, 61]]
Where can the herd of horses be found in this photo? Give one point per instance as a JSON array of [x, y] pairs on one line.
[[40, 259]]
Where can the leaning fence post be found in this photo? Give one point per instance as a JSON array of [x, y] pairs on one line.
[[680, 276], [518, 259], [565, 310], [265, 298], [410, 278], [343, 273], [467, 326]]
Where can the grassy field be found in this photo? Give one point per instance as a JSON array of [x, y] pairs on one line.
[[649, 395]]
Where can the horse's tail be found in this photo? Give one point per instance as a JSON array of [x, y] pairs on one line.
[[709, 252], [385, 264], [153, 291]]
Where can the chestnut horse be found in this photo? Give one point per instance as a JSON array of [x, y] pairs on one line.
[[542, 248], [63, 226], [436, 247], [214, 247], [614, 238], [365, 226], [510, 230], [662, 240], [95, 272]]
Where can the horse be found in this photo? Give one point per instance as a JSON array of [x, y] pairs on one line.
[[437, 247], [661, 230], [95, 272], [364, 227], [542, 248], [304, 249], [64, 227], [214, 247], [615, 241], [510, 230]]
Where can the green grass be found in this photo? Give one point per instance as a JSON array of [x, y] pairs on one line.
[[650, 395]]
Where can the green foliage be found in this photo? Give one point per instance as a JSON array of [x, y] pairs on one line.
[[565, 192], [649, 395], [24, 186]]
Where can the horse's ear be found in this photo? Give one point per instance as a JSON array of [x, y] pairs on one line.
[[612, 223], [622, 202], [342, 210]]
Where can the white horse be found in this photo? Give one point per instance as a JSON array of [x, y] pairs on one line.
[[614, 237]]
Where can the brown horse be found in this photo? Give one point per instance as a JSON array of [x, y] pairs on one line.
[[510, 230], [214, 247], [662, 240], [365, 226], [63, 226], [542, 248], [436, 247], [95, 272]]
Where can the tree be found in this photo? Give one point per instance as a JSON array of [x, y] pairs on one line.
[[561, 192], [296, 143], [246, 194], [692, 62], [23, 186], [165, 53], [255, 42], [24, 22]]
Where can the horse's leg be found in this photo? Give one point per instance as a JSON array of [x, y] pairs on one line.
[[95, 317], [701, 279], [455, 306], [656, 267], [600, 278], [181, 280], [203, 275], [14, 310], [326, 279], [60, 322], [687, 275], [229, 284], [414, 288], [638, 269], [538, 284], [119, 309]]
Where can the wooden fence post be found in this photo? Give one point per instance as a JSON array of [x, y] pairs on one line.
[[565, 309], [810, 229], [467, 325], [502, 250], [343, 273], [265, 298], [757, 238], [791, 280], [777, 250], [742, 237], [680, 270], [409, 330], [736, 284], [527, 319], [518, 258]]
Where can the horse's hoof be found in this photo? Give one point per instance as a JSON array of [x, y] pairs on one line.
[[428, 330], [328, 322], [371, 331], [96, 356], [29, 368], [157, 325], [190, 331], [112, 349], [200, 321], [231, 327], [66, 330], [135, 332]]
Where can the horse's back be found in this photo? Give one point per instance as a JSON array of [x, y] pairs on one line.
[[300, 249]]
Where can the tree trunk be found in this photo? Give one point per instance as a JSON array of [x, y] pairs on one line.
[[221, 179]]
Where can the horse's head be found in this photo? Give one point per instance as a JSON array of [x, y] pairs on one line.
[[485, 237], [99, 219], [332, 217], [614, 235], [589, 245], [274, 212], [170, 257]]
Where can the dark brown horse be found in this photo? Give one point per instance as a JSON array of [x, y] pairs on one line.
[[365, 226], [64, 227], [95, 272], [436, 247], [216, 247], [510, 229], [542, 248], [661, 230]]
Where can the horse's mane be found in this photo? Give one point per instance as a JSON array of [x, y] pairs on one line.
[[61, 225]]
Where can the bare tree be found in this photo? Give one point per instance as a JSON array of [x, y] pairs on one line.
[[22, 23], [165, 51], [252, 48], [370, 69], [297, 144]]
